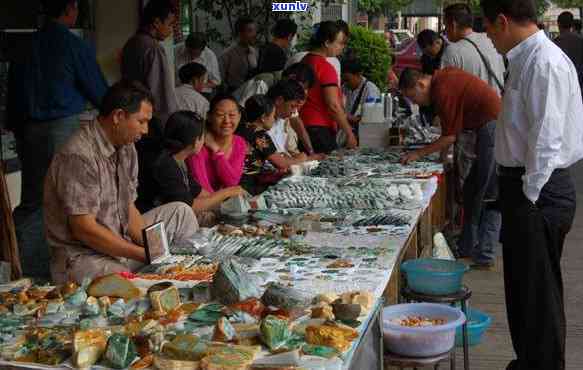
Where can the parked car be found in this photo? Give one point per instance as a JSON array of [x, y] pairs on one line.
[[399, 37], [408, 55]]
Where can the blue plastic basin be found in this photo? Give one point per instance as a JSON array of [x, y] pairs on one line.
[[434, 276], [478, 323]]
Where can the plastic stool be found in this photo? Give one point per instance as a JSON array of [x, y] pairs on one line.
[[461, 296], [413, 362]]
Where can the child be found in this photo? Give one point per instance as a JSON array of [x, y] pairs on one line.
[[194, 79], [260, 116]]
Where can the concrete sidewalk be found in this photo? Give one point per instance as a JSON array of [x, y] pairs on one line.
[[488, 295]]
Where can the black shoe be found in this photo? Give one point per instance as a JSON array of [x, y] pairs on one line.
[[489, 266]]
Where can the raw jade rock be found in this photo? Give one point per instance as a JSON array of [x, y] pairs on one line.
[[121, 351], [280, 296], [274, 332], [233, 284]]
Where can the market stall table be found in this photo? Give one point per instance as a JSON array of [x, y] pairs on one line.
[[346, 258]]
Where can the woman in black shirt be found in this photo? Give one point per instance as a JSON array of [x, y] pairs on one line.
[[183, 137]]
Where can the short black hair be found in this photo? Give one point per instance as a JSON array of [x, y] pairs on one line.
[[409, 78], [190, 71], [459, 13], [56, 8], [352, 66], [219, 98], [300, 72], [284, 28], [518, 10], [326, 32], [181, 129], [288, 90], [125, 95], [577, 24], [344, 27], [565, 20], [156, 9], [243, 22], [196, 41], [426, 38], [257, 106]]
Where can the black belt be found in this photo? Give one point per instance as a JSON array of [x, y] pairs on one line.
[[511, 171], [518, 172]]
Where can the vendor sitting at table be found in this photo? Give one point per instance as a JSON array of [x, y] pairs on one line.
[[468, 108], [172, 182], [219, 164], [288, 96], [260, 113], [93, 227]]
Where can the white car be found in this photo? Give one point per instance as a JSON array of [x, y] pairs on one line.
[[396, 38], [399, 37]]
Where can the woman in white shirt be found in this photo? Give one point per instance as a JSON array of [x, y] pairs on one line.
[[195, 49], [193, 77]]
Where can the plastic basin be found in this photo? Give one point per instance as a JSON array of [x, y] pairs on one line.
[[478, 323], [425, 341], [434, 276]]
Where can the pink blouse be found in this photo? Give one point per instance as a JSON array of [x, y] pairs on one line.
[[214, 171]]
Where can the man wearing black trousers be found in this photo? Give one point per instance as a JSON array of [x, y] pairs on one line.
[[538, 137]]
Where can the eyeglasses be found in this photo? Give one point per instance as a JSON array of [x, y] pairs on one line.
[[232, 115]]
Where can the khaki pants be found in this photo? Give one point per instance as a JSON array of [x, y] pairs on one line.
[[69, 264]]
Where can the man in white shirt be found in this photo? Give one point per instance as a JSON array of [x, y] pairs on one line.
[[358, 90], [474, 53], [538, 137], [194, 78], [195, 49]]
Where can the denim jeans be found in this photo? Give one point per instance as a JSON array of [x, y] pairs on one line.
[[482, 219], [36, 143]]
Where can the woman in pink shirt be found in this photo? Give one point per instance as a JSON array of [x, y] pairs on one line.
[[219, 164]]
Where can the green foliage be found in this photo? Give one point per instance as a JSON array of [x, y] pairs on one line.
[[393, 6], [373, 53], [371, 7], [374, 7], [303, 38], [568, 3]]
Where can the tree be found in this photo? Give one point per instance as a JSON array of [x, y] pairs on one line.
[[229, 10], [374, 7], [372, 52], [568, 3], [394, 6], [542, 5], [371, 7]]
